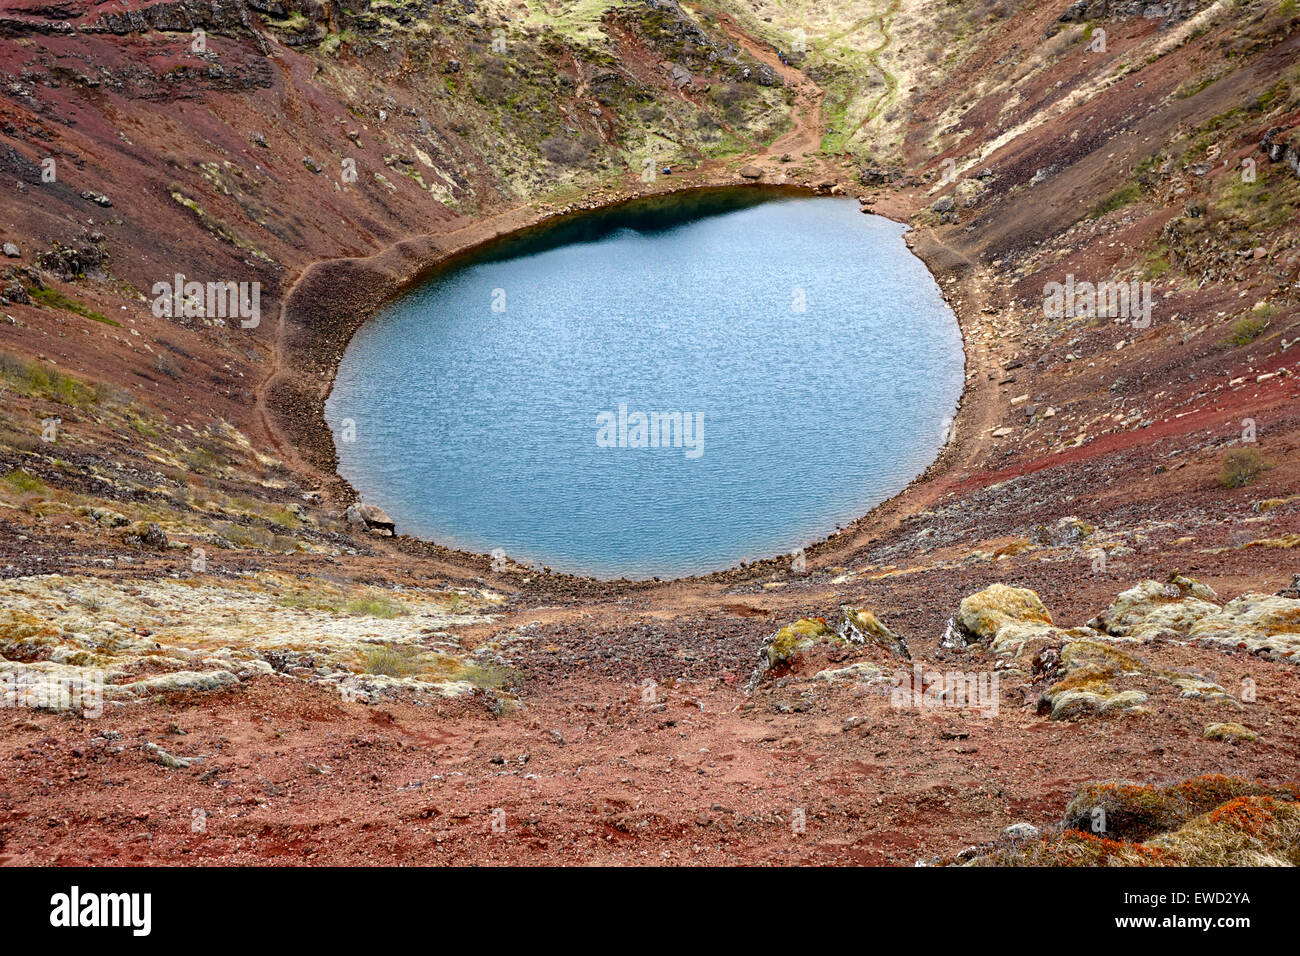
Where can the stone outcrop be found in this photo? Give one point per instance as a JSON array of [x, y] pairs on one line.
[[372, 518], [857, 631], [1152, 608], [862, 627], [1259, 623], [981, 616]]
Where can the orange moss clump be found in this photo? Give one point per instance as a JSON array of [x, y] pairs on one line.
[[1253, 817]]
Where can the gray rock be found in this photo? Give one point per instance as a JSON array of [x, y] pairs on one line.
[[1022, 832], [371, 517], [11, 250]]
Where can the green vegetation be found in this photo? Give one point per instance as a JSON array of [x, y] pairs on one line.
[[295, 22], [392, 660], [374, 607], [1155, 267], [39, 380], [57, 300], [1126, 194], [490, 676], [203, 460], [1241, 467], [23, 482], [1246, 331], [364, 606], [1265, 204], [1193, 86], [286, 519]]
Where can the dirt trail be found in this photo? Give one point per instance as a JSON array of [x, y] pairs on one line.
[[806, 135]]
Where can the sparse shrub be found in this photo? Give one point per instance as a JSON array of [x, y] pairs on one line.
[[1246, 331], [38, 380], [23, 482], [563, 151], [491, 676], [392, 660], [167, 367], [1241, 467], [1117, 200], [309, 601], [286, 519], [376, 606], [202, 459]]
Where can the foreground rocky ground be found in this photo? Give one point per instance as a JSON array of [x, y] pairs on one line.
[[240, 726], [1093, 583]]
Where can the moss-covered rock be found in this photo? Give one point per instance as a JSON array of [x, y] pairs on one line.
[[1260, 623], [1152, 607], [1246, 831], [982, 615], [787, 642], [792, 638], [1136, 811], [1231, 733], [1024, 640], [860, 671], [1213, 820], [1089, 675]]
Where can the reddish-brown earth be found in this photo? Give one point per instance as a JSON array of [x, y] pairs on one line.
[[597, 765]]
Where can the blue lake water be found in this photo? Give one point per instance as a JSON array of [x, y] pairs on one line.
[[794, 363]]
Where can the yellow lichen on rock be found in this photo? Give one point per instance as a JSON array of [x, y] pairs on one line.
[[1231, 733], [983, 614], [1152, 607], [792, 638], [1259, 623]]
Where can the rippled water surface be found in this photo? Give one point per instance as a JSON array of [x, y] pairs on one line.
[[495, 406]]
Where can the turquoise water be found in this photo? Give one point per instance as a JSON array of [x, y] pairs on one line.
[[809, 355]]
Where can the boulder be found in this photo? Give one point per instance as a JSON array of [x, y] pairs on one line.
[[1259, 623], [862, 627], [980, 616], [788, 642], [1230, 733], [370, 517], [1021, 832], [751, 171], [11, 250], [1151, 607], [147, 536], [1088, 673]]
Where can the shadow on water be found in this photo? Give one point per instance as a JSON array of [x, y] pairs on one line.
[[651, 215]]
